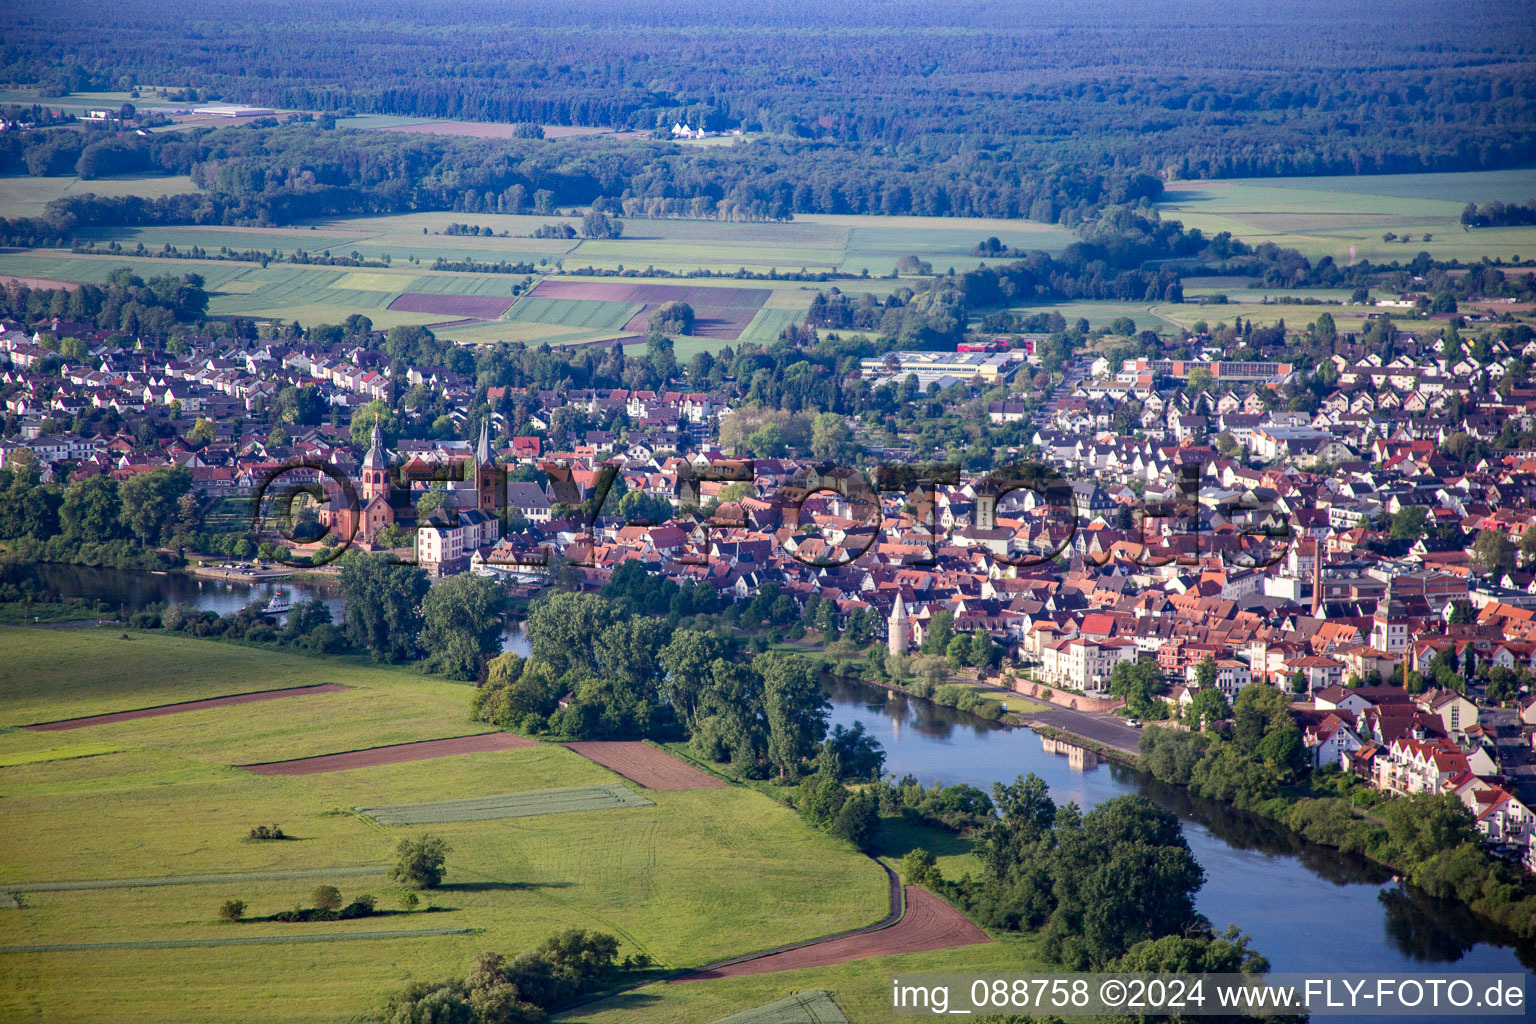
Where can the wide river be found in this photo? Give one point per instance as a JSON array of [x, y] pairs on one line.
[[1307, 907]]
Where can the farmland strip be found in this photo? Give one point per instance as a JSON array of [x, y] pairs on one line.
[[252, 940], [511, 805], [176, 709]]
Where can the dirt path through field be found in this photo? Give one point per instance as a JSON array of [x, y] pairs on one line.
[[928, 924], [393, 754]]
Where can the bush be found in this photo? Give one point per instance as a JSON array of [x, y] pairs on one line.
[[232, 910], [362, 906], [268, 832], [326, 897], [409, 901]]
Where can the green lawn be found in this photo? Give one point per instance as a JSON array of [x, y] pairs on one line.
[[696, 876]]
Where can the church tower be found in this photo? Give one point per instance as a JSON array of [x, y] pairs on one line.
[[376, 468], [485, 473], [898, 635], [1389, 626]]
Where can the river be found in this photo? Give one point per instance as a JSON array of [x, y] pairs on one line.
[[1307, 907], [127, 591]]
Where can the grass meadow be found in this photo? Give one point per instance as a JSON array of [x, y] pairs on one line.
[[1347, 217], [29, 197], [697, 875]]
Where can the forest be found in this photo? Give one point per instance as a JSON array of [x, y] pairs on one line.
[[1163, 86]]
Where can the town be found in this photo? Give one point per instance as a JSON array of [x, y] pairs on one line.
[[1396, 610], [777, 514]]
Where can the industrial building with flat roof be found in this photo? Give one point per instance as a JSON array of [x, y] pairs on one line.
[[1225, 369], [230, 111], [944, 368]]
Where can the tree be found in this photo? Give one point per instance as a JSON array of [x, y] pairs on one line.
[[958, 650], [461, 624], [326, 897], [797, 711], [643, 507], [1283, 752], [383, 604], [858, 754], [360, 426], [92, 512], [1494, 551], [1260, 709], [232, 910], [1528, 546], [1026, 814], [419, 862], [1137, 682], [940, 631], [675, 317], [1408, 523], [149, 501], [689, 658], [599, 225], [1208, 706], [919, 866], [201, 435], [910, 266], [1205, 673], [1200, 379], [831, 440], [564, 630]]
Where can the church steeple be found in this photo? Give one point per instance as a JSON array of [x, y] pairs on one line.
[[486, 475], [376, 467], [483, 449]]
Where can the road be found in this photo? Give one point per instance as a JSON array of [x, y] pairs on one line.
[[1109, 730]]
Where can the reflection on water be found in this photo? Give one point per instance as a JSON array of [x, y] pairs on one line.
[[128, 591], [1308, 907]]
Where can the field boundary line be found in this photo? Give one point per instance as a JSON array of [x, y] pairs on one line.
[[279, 875], [252, 696], [500, 806], [897, 912], [247, 940], [382, 746]]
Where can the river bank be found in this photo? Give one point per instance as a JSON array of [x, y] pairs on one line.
[[1260, 875]]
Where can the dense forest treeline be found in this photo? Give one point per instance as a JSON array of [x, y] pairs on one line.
[[270, 174], [1312, 88]]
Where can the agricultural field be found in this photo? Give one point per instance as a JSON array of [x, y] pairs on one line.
[[28, 197], [689, 877], [510, 805], [1347, 217]]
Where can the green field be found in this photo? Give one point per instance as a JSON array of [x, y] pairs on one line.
[[1347, 217], [584, 314], [696, 876], [813, 1007], [28, 197], [57, 753], [510, 805]]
